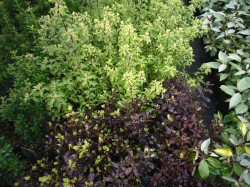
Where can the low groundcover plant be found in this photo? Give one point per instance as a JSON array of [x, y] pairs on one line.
[[121, 146]]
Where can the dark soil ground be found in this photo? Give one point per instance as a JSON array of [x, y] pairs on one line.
[[217, 98]]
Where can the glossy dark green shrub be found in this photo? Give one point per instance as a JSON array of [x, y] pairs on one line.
[[226, 154], [121, 146], [11, 168]]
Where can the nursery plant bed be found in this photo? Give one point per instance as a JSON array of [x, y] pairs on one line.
[[100, 131]]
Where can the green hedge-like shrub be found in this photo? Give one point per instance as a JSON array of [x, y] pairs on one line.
[[18, 29], [11, 168], [122, 146], [229, 37], [227, 155], [81, 59], [19, 22]]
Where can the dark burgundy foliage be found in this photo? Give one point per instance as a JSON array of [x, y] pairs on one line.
[[125, 146], [176, 172]]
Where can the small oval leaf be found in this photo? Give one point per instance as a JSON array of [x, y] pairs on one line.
[[245, 32], [243, 128], [222, 67], [246, 176], [245, 162], [226, 152], [204, 145], [223, 76], [203, 169], [244, 84], [214, 65], [214, 162], [241, 109], [223, 57], [247, 149], [235, 100], [234, 57], [227, 90], [238, 170]]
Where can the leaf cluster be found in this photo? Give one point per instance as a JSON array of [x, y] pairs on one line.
[[11, 168], [229, 37], [227, 155]]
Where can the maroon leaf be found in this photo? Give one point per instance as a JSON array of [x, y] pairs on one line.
[[108, 179], [91, 177], [128, 171], [135, 170]]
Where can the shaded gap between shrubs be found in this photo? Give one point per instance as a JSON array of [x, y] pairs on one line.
[[201, 56]]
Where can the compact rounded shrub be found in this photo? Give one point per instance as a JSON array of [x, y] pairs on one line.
[[121, 146], [82, 58]]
